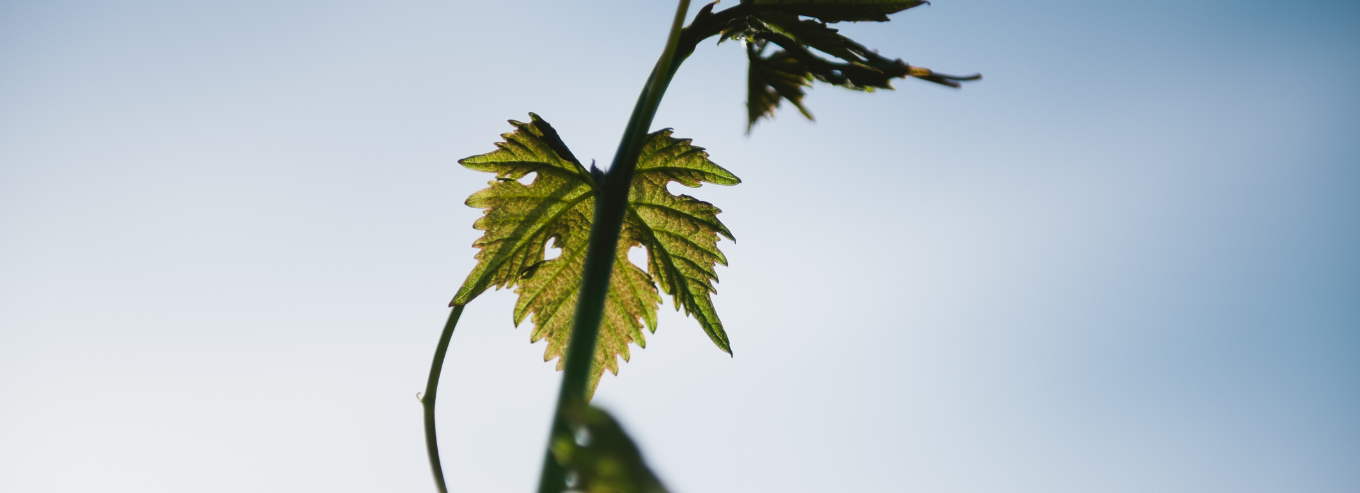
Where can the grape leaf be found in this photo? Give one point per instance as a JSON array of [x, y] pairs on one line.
[[812, 34], [679, 233], [782, 75], [770, 79], [839, 10]]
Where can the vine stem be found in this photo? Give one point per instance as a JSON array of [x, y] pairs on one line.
[[427, 399], [610, 205]]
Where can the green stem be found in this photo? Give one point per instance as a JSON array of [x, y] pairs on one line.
[[427, 399], [610, 205]]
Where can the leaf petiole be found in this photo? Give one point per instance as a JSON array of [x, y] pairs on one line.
[[427, 399]]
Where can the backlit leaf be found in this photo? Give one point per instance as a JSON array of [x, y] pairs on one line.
[[679, 233], [771, 79]]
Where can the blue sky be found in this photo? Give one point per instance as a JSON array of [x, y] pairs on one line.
[[1125, 261]]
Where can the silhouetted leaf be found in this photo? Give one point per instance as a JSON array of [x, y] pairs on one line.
[[773, 78], [783, 74], [839, 10]]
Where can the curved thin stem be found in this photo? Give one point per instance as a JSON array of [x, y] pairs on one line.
[[427, 399]]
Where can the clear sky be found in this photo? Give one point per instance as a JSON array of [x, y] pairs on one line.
[[1126, 261]]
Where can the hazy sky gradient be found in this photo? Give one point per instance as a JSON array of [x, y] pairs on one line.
[[1126, 261]]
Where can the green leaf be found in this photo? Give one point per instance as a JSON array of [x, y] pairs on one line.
[[679, 233], [782, 75], [771, 79], [599, 457], [520, 219], [813, 34], [839, 10]]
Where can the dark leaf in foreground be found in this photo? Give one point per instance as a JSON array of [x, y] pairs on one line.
[[599, 457]]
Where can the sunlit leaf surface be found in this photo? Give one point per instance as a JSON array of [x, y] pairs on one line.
[[679, 234]]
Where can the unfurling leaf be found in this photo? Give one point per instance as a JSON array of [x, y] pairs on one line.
[[598, 456], [783, 74], [679, 233], [840, 10], [779, 76]]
